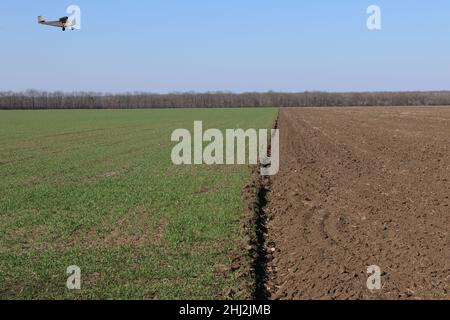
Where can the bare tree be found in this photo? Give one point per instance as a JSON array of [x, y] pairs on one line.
[[33, 99]]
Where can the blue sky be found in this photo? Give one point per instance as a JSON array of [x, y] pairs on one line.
[[233, 45]]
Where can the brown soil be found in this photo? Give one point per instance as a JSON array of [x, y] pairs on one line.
[[360, 187]]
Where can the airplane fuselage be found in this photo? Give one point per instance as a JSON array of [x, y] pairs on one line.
[[63, 23]]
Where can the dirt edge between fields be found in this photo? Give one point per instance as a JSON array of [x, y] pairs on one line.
[[254, 253]]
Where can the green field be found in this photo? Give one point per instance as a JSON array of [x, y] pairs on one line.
[[97, 189]]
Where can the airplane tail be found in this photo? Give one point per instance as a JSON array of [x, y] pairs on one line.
[[40, 19]]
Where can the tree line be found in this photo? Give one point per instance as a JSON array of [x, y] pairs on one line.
[[33, 99]]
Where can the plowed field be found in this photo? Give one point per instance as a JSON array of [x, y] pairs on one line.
[[360, 187]]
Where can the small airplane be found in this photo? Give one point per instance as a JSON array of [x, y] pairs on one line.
[[61, 23]]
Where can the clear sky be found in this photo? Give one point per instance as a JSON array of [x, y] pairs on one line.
[[232, 45]]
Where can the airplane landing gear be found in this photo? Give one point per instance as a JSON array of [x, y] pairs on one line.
[[64, 29]]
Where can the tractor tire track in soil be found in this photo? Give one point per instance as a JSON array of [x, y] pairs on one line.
[[360, 187]]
